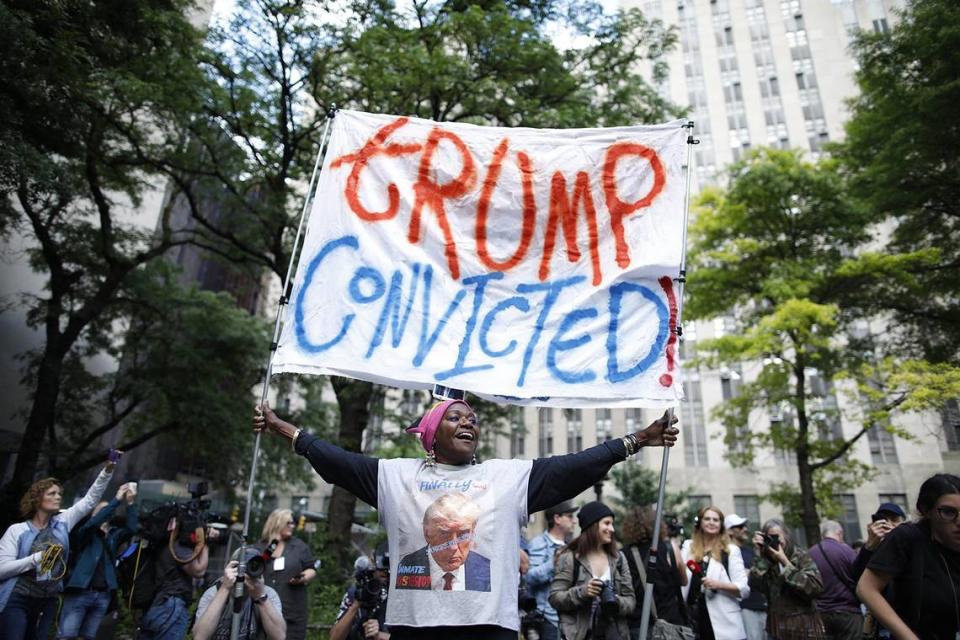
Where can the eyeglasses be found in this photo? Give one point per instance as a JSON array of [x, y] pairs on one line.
[[291, 523], [948, 513]]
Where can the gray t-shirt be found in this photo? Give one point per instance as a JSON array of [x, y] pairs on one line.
[[453, 533], [250, 626]]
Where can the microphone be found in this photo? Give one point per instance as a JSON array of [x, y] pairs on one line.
[[694, 567]]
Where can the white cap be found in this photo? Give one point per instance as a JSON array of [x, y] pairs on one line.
[[733, 520]]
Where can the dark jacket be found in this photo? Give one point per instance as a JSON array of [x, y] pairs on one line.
[[94, 548]]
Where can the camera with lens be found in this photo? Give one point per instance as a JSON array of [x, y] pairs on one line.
[[771, 541], [370, 592], [608, 599], [531, 618], [674, 526], [190, 516], [257, 564]]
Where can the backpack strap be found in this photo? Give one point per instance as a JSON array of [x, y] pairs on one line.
[[639, 575], [576, 569], [837, 575]]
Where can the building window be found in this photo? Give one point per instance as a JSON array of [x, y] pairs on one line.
[[951, 424], [518, 434], [604, 425], [849, 517], [883, 449], [545, 435], [698, 502], [692, 422], [730, 383], [574, 430], [299, 503], [748, 507], [899, 499], [880, 26]]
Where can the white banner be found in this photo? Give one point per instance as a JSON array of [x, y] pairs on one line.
[[523, 265]]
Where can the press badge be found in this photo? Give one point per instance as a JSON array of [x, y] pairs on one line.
[[278, 564]]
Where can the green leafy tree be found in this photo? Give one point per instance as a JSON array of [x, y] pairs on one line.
[[778, 246], [900, 154], [93, 100], [275, 65]]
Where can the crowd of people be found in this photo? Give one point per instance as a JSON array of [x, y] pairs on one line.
[[728, 583], [454, 531]]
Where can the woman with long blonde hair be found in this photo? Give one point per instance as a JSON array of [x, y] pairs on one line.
[[289, 571], [716, 579]]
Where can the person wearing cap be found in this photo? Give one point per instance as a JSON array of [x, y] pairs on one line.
[[589, 565], [347, 627], [261, 614], [753, 608], [505, 492], [543, 549], [838, 605], [887, 517]]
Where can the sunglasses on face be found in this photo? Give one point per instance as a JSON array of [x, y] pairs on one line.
[[949, 514]]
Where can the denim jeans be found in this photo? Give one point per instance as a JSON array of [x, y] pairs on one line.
[[26, 618], [755, 624], [167, 619], [82, 612]]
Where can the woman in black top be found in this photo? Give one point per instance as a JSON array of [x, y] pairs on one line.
[[922, 560], [669, 575], [290, 570], [452, 439]]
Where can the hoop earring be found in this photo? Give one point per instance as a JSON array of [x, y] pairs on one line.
[[431, 459]]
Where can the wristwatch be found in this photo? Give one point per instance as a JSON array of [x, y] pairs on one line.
[[261, 599]]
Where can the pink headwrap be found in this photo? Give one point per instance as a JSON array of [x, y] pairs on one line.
[[427, 424]]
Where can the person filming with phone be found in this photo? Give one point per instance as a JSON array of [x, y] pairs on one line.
[[790, 580]]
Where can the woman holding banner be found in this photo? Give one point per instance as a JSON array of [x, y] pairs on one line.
[[453, 524]]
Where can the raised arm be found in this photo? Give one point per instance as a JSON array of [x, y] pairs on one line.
[[354, 472], [560, 478], [74, 514]]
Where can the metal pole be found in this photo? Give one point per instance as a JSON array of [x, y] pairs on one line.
[[279, 318], [284, 299], [662, 490]]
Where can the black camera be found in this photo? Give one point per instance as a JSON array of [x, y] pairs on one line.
[[608, 600], [531, 619], [367, 590], [771, 541], [257, 564], [674, 526], [190, 516]]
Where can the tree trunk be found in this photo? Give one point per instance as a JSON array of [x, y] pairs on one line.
[[353, 398], [42, 417], [808, 498]]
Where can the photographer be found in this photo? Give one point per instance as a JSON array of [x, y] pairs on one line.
[[592, 589], [791, 581], [176, 567], [261, 614], [289, 570], [364, 606]]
